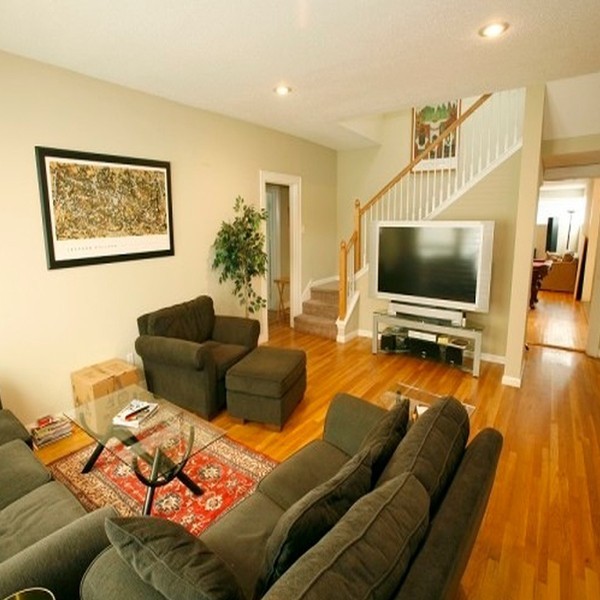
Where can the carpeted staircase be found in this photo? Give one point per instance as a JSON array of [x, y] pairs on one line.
[[319, 314]]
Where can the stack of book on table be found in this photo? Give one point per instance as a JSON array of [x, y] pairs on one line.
[[50, 429]]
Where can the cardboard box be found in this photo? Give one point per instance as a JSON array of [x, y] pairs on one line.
[[101, 379]]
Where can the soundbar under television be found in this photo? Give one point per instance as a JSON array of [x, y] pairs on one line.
[[445, 264]]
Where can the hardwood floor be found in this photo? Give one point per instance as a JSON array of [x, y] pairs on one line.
[[558, 320], [541, 534]]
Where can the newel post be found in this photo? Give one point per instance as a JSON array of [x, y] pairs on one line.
[[357, 241], [343, 281]]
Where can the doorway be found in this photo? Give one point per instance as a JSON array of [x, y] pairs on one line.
[[278, 251], [269, 182], [560, 317]]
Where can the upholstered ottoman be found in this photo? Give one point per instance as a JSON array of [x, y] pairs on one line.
[[266, 385]]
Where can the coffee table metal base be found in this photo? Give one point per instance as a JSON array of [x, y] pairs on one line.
[[163, 469]]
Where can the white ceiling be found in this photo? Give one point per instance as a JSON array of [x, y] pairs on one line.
[[344, 59]]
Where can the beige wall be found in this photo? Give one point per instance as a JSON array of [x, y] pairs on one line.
[[495, 198], [584, 143], [55, 321], [362, 173]]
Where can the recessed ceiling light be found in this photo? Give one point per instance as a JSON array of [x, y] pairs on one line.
[[283, 90], [493, 30]]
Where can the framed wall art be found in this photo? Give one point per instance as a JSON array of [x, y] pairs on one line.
[[429, 123], [100, 208]]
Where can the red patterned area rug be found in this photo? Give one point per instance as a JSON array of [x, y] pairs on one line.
[[227, 471]]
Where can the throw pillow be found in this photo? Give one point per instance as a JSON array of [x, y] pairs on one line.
[[368, 552], [433, 448], [311, 517], [384, 437], [171, 560]]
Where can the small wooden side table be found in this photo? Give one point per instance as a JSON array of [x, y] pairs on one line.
[[281, 282]]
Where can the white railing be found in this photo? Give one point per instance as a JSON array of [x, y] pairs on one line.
[[489, 131], [489, 136]]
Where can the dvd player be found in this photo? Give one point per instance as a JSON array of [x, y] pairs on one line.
[[422, 335]]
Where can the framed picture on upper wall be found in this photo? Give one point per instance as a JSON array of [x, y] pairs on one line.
[[429, 123], [99, 208]]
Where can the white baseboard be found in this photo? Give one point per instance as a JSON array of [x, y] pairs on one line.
[[493, 358], [511, 381], [343, 338]]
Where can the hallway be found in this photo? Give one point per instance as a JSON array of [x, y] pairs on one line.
[[558, 321]]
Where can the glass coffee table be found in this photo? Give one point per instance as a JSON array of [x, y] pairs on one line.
[[420, 399], [157, 450]]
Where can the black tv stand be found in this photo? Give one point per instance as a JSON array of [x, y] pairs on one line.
[[454, 344]]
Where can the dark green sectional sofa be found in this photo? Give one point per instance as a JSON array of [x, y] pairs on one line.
[[47, 539], [369, 511]]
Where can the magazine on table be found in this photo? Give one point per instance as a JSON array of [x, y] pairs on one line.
[[135, 413], [49, 429]]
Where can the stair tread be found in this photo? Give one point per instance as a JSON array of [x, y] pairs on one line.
[[330, 286], [314, 325], [317, 302], [316, 319]]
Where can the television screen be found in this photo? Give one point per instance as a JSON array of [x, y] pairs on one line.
[[437, 263]]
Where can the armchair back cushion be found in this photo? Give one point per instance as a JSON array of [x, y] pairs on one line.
[[193, 320]]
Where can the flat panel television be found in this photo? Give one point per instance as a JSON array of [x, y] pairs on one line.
[[446, 264]]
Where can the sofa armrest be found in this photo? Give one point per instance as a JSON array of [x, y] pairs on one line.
[[11, 428], [438, 567], [349, 419], [59, 561], [172, 351], [236, 330], [21, 472]]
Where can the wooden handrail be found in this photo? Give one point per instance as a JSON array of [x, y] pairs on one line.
[[345, 249], [432, 146], [357, 236], [343, 287]]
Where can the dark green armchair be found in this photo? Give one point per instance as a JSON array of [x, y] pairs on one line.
[[187, 349]]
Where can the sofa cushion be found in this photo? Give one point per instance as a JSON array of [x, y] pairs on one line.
[[367, 553], [193, 320], [35, 516], [59, 560], [109, 577], [239, 538], [11, 428], [433, 447], [453, 530], [311, 517], [21, 471], [173, 561], [225, 355], [307, 468], [383, 438]]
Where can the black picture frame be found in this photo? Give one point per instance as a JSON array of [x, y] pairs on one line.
[[101, 208]]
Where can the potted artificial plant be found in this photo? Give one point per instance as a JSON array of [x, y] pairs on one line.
[[240, 254]]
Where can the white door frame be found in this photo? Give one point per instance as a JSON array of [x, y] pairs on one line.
[[294, 183], [592, 347], [273, 245]]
